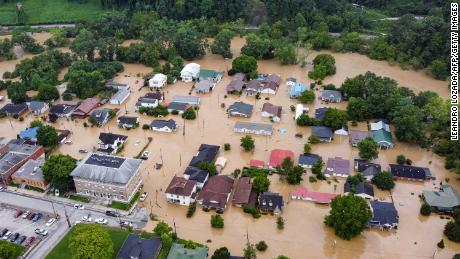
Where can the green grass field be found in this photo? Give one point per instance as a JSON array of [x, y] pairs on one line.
[[50, 11], [61, 250]]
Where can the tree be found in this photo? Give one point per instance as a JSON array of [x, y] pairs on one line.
[[84, 44], [58, 38], [408, 123], [189, 114], [217, 221], [247, 143], [357, 109], [452, 231], [47, 136], [368, 148], [335, 119], [221, 44], [249, 251], [210, 167], [260, 184], [259, 47], [307, 97], [221, 253], [162, 228], [245, 64], [426, 209], [227, 146], [47, 93], [189, 42], [36, 123], [349, 216], [383, 180], [89, 240], [261, 246], [282, 257], [286, 54], [327, 61], [57, 169], [85, 84], [440, 244], [307, 148], [305, 120], [313, 139], [17, 92], [401, 159], [439, 69], [280, 222]]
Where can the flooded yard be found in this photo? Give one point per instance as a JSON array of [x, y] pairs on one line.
[[305, 235]]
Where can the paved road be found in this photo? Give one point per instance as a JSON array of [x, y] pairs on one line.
[[60, 208]]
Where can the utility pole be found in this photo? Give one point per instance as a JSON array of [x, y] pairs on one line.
[[183, 129], [174, 223], [54, 210]]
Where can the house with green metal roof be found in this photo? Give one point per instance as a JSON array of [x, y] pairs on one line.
[[211, 75], [383, 138], [178, 251], [444, 200]]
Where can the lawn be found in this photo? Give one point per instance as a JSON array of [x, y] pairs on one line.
[[50, 11], [125, 206], [61, 250], [8, 246], [79, 198]]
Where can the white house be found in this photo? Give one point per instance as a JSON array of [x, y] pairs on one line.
[[110, 143], [380, 125], [180, 191], [120, 97], [299, 110], [220, 163], [190, 72], [146, 102], [158, 81], [163, 125]]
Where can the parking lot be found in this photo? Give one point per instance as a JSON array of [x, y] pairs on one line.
[[24, 226]]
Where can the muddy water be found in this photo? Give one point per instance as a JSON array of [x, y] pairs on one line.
[[304, 236]]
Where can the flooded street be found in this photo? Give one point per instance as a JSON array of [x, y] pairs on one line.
[[305, 235]]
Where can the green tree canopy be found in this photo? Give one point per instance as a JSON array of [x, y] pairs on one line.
[[335, 118], [349, 216], [47, 93], [368, 148], [260, 184], [90, 240], [221, 253], [47, 136], [247, 143], [286, 54], [245, 64], [307, 97], [384, 180], [57, 171], [84, 44], [221, 44]]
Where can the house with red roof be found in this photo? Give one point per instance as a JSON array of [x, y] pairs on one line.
[[278, 155], [86, 107], [256, 163], [301, 193], [181, 191]]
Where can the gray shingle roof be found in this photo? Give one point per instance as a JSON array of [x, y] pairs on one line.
[[106, 168], [241, 108]]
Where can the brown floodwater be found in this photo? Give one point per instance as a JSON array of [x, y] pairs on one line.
[[305, 235]]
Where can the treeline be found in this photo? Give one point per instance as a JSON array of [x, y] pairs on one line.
[[421, 119], [401, 7]]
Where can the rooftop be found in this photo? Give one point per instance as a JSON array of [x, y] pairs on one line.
[[32, 169], [178, 251], [136, 247], [180, 186]]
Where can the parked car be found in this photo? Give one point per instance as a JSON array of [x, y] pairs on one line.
[[79, 206], [101, 221], [126, 224], [7, 234], [29, 240], [17, 214], [143, 196], [50, 222], [145, 155], [25, 214], [112, 213], [83, 150], [31, 216], [68, 142], [41, 231], [37, 217], [13, 237], [3, 231], [20, 240], [86, 218]]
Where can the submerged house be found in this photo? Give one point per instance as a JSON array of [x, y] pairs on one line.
[[408, 172], [308, 160], [368, 169], [321, 112], [38, 107], [244, 195], [235, 86], [301, 193], [253, 128], [204, 86], [86, 107], [216, 193], [337, 166], [178, 107], [181, 191], [445, 200], [110, 143], [192, 100], [128, 122], [253, 87], [297, 89], [331, 96], [190, 72], [240, 109], [163, 125], [12, 110], [271, 202], [137, 247], [271, 111], [323, 133], [158, 81], [119, 97], [357, 136], [101, 116], [383, 138], [363, 190], [277, 157], [384, 215], [210, 75], [62, 110]]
